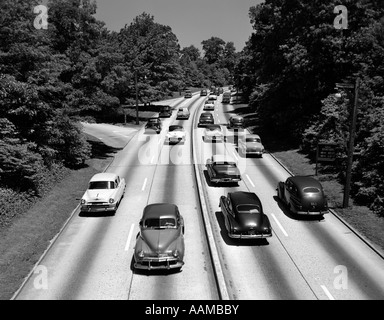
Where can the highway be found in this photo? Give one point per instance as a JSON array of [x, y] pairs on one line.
[[304, 259]]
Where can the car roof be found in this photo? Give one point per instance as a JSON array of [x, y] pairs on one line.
[[104, 176], [252, 136], [222, 158], [243, 197], [206, 114], [160, 210], [305, 181]]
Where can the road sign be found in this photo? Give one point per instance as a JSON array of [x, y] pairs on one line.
[[326, 152]]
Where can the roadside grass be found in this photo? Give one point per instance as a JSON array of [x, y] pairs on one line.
[[28, 236]]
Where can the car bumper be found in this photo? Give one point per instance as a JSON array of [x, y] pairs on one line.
[[224, 180], [213, 138], [182, 117], [175, 140], [158, 263], [311, 213], [98, 207], [249, 236]]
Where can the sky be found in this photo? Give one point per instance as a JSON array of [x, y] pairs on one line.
[[192, 21]]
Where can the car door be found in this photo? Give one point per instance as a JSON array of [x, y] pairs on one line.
[[227, 211]]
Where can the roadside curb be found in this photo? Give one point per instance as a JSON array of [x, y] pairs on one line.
[[220, 280], [369, 243]]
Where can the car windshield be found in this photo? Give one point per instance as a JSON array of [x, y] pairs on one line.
[[248, 208], [152, 120], [237, 120], [213, 128], [225, 164], [101, 185], [252, 140], [311, 190], [176, 128], [161, 223], [208, 116]]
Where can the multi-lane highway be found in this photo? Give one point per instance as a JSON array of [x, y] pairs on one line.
[[304, 259]]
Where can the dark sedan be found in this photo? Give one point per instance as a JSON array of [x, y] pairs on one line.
[[222, 169], [303, 195], [153, 125], [244, 217], [205, 119], [160, 244], [165, 112]]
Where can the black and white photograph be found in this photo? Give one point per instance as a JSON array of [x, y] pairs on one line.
[[192, 158]]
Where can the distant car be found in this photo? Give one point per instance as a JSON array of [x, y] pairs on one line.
[[175, 134], [226, 97], [188, 94], [250, 144], [303, 195], [153, 125], [203, 92], [104, 193], [183, 113], [206, 118], [212, 96], [222, 169], [209, 105], [244, 217], [165, 112], [160, 243], [213, 132], [236, 122]]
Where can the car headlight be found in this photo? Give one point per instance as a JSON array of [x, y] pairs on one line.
[[175, 253], [83, 201], [141, 254], [111, 200]]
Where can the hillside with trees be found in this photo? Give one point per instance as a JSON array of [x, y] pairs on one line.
[[289, 70], [76, 69]]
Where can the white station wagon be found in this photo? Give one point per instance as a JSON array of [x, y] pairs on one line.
[[104, 193]]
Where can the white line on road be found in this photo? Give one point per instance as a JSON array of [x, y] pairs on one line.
[[144, 184], [129, 237], [234, 154], [280, 226], [250, 180], [153, 158], [325, 289]]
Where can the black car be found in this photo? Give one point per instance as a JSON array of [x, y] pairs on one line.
[[203, 92], [206, 118], [153, 125], [303, 195], [188, 94], [244, 217], [222, 169], [165, 112], [236, 122]]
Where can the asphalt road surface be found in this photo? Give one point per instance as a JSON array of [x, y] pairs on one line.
[[304, 259]]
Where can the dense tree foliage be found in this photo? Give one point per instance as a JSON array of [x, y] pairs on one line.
[[289, 70], [51, 78]]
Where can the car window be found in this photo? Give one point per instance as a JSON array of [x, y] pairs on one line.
[[101, 185], [161, 223], [248, 208], [213, 128], [311, 190], [252, 140], [225, 164]]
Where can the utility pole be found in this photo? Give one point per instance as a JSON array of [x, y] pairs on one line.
[[137, 99], [351, 144]]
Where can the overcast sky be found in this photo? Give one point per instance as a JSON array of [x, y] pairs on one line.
[[191, 20]]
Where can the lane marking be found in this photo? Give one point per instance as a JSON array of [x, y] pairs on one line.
[[129, 237], [153, 158], [249, 179], [234, 154], [144, 184], [325, 289], [280, 226]]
